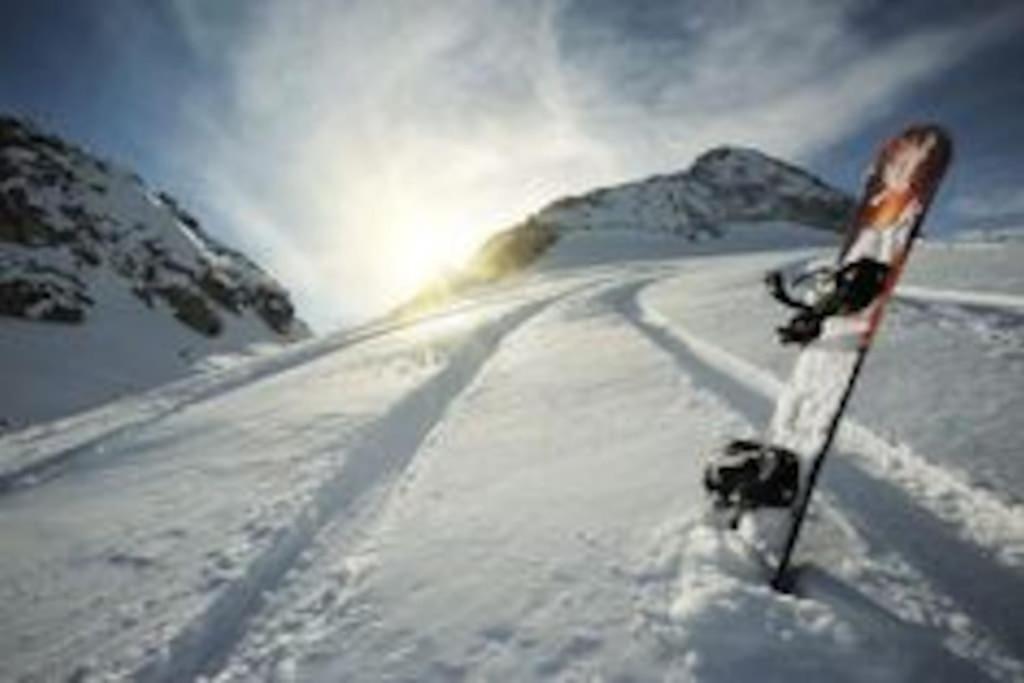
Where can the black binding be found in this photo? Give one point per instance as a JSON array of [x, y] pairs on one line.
[[853, 288], [749, 474]]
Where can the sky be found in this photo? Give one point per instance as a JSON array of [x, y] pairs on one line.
[[356, 147]]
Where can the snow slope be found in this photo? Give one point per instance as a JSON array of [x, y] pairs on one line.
[[108, 287], [511, 491]]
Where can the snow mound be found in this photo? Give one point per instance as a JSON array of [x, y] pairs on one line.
[[710, 600]]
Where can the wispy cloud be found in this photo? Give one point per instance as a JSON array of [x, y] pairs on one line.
[[789, 77], [357, 138]]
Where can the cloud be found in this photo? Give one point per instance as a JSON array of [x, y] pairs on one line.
[[790, 77], [374, 134], [357, 143]]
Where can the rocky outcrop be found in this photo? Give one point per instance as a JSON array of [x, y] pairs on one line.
[[72, 226]]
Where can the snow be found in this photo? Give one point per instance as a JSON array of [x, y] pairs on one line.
[[128, 339], [54, 370], [511, 491]]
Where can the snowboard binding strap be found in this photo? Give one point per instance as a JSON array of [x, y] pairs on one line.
[[748, 474], [847, 290]]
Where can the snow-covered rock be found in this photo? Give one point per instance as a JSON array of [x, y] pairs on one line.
[[724, 188], [726, 184], [107, 286]]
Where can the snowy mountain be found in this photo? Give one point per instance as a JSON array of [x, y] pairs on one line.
[[107, 287], [725, 185], [724, 188]]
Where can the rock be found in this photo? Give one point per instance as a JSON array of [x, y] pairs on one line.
[[62, 206]]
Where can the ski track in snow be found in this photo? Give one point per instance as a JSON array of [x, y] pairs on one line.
[[36, 464], [215, 615], [957, 530], [370, 469], [998, 328], [981, 300], [39, 454], [325, 599]]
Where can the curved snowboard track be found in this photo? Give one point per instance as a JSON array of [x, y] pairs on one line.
[[949, 547], [370, 468]]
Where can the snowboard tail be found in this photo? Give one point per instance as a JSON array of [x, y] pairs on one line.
[[835, 331]]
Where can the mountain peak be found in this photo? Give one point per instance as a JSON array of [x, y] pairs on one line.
[[735, 164], [736, 153]]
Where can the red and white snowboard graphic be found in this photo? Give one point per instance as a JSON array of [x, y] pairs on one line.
[[899, 189]]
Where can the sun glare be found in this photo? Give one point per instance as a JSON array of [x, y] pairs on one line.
[[429, 250], [413, 232]]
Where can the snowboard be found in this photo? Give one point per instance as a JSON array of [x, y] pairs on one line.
[[835, 337]]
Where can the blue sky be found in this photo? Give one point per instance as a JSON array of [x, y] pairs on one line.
[[355, 146]]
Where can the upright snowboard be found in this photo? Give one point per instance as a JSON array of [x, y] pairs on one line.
[[768, 484]]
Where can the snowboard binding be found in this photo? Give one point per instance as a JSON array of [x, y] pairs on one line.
[[748, 474], [836, 291]]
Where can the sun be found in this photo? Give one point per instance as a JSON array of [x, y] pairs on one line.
[[428, 251]]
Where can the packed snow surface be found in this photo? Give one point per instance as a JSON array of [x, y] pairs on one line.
[[510, 490]]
